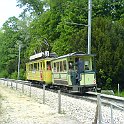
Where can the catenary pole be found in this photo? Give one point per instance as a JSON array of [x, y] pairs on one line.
[[89, 25], [19, 62]]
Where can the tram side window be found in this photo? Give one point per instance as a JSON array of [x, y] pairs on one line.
[[30, 67], [55, 68], [41, 65], [48, 65], [57, 64], [71, 63], [64, 66], [61, 66], [35, 66]]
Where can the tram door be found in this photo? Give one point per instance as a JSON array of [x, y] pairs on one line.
[[72, 72]]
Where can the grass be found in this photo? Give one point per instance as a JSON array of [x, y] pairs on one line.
[[110, 92], [120, 94]]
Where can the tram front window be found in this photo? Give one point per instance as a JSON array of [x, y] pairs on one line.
[[87, 65], [71, 65]]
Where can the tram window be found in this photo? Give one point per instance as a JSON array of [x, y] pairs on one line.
[[38, 66], [61, 66], [71, 65], [55, 68], [31, 67], [57, 64], [41, 65], [87, 65], [48, 65], [35, 66], [64, 65]]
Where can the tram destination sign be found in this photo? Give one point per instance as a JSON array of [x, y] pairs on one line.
[[39, 55]]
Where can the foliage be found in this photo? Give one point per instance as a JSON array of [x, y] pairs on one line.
[[120, 94], [4, 74], [14, 75], [11, 36]]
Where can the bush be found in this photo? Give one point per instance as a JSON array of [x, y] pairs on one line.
[[4, 74], [22, 74], [14, 75]]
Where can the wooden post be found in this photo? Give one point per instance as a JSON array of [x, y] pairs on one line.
[[30, 90], [59, 101], [22, 87], [96, 115], [112, 122], [4, 81], [16, 85], [11, 84], [99, 108], [7, 83], [43, 94]]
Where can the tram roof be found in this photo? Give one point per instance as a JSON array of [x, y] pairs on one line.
[[75, 54]]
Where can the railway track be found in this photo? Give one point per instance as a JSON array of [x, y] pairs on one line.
[[117, 102]]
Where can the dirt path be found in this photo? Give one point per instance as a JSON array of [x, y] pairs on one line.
[[17, 108]]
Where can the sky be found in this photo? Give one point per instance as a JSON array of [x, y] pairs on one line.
[[8, 9]]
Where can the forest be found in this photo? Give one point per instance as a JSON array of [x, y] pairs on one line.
[[60, 26]]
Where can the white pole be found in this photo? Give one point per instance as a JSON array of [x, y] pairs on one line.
[[89, 25], [118, 90], [19, 62]]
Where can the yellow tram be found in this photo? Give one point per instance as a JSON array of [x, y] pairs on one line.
[[39, 68]]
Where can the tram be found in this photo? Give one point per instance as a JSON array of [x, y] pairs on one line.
[[73, 72]]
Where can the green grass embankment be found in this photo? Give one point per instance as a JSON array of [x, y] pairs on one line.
[[120, 94]]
